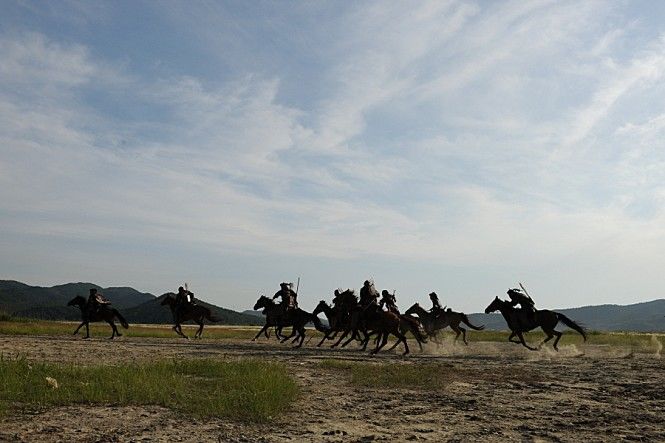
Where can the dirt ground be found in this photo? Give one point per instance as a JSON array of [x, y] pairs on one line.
[[497, 392]]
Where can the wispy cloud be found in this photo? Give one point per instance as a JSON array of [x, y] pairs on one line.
[[449, 133]]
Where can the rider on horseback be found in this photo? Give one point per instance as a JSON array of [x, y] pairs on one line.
[[436, 305], [288, 296], [389, 301], [183, 299], [96, 301], [368, 295], [517, 297]]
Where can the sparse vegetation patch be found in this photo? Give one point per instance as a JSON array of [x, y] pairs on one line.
[[245, 390]]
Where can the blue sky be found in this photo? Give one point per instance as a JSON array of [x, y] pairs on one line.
[[452, 146]]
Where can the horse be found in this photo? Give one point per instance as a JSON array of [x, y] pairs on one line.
[[196, 313], [271, 320], [519, 321], [297, 318], [336, 321], [435, 322], [103, 313], [378, 322]]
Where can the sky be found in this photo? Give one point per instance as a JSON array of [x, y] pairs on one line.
[[456, 147]]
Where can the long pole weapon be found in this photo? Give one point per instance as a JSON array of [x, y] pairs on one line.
[[525, 291]]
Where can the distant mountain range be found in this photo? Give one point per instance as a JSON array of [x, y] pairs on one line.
[[21, 300]]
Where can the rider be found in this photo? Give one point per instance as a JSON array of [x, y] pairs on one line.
[[95, 301], [368, 295], [389, 301], [288, 296], [517, 297], [436, 305], [183, 298]]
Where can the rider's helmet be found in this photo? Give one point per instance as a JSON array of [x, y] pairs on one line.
[[432, 295]]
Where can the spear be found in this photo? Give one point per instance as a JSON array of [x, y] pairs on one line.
[[525, 291]]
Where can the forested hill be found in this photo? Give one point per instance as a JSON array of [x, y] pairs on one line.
[[21, 300], [642, 317]]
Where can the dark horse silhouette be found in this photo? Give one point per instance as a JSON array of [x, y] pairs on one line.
[[196, 313], [104, 313], [375, 321], [298, 318], [433, 322], [519, 322]]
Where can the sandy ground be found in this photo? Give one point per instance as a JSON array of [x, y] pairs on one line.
[[496, 392]]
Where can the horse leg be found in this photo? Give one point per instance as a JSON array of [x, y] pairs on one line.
[[87, 330], [325, 337], [365, 341], [457, 332], [200, 331], [178, 329], [262, 331], [521, 337], [77, 329], [302, 333], [346, 332], [464, 335], [402, 338], [511, 336], [384, 340], [558, 337], [293, 332], [113, 329]]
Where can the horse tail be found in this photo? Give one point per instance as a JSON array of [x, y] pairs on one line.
[[466, 321], [416, 328], [571, 324], [123, 322], [318, 324]]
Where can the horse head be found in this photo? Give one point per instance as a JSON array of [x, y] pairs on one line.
[[496, 305], [414, 309], [77, 301], [263, 302], [169, 299], [321, 307]]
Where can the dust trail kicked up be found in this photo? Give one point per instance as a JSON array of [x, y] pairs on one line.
[[658, 344]]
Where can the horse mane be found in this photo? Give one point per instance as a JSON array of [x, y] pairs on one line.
[[76, 300]]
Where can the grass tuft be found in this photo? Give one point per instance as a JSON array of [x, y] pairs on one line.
[[246, 390]]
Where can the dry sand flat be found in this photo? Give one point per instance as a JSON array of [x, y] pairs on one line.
[[494, 392]]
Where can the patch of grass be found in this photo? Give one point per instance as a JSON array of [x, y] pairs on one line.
[[7, 317], [246, 390]]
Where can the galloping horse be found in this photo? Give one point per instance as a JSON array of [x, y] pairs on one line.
[[103, 313], [433, 322], [519, 322], [378, 322], [196, 313], [298, 318]]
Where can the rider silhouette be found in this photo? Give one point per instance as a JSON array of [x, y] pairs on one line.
[[96, 301], [183, 298], [288, 296], [389, 301], [436, 305], [368, 295], [517, 297]]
